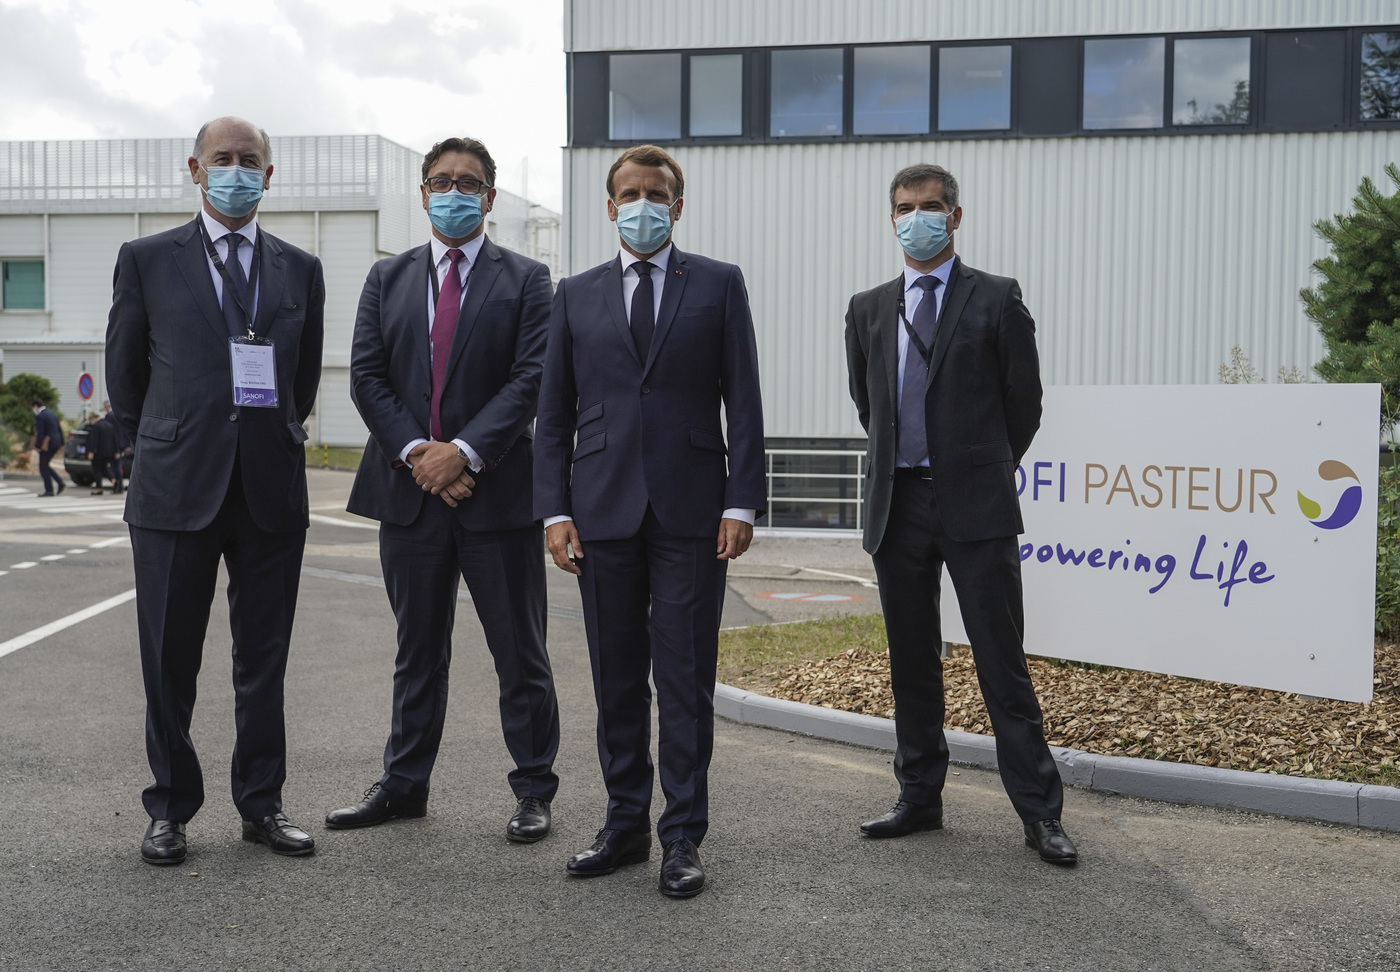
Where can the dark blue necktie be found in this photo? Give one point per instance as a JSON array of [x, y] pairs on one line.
[[913, 431], [234, 317], [643, 313]]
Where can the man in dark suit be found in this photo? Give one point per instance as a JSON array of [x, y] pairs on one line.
[[944, 372], [445, 370], [213, 359], [119, 445], [643, 352], [47, 441]]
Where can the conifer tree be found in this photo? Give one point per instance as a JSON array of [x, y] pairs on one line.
[[1357, 303]]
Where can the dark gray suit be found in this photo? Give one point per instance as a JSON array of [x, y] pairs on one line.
[[492, 539], [211, 481], [982, 408]]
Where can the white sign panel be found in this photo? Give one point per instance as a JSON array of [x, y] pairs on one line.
[[1222, 532]]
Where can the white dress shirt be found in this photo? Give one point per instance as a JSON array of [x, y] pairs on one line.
[[218, 232], [442, 263], [660, 262], [913, 296]]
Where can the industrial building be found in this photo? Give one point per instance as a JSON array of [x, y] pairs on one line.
[[66, 207], [1150, 172]]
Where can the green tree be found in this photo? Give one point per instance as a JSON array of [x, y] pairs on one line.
[[1380, 75], [1357, 303], [1235, 113], [15, 396]]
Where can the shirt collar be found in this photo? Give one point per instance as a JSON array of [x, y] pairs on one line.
[[661, 259], [944, 271], [470, 249], [217, 230]]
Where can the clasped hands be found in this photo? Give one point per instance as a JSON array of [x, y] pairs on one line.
[[437, 467], [562, 540]]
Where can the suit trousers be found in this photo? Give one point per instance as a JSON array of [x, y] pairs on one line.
[[176, 572], [987, 573], [504, 572], [46, 473], [652, 604]]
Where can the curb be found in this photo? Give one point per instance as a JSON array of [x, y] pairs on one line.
[[1299, 798]]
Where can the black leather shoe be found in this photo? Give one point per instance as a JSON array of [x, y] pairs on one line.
[[279, 833], [681, 873], [611, 850], [60, 484], [164, 842], [1051, 842], [380, 805], [904, 818], [530, 822]]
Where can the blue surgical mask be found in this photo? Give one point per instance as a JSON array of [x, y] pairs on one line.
[[234, 190], [644, 225], [923, 233], [454, 214]]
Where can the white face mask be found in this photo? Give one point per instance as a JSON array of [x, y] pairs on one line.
[[923, 233]]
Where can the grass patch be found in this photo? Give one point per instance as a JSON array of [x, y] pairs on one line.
[[332, 457], [749, 657]]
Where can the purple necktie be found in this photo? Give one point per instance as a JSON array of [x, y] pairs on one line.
[[913, 429], [449, 308]]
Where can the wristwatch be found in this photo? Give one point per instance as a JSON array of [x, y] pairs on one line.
[[462, 454]]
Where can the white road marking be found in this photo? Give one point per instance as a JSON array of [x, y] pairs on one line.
[[110, 543], [53, 627], [337, 521], [81, 550], [54, 557], [25, 565], [862, 581], [4, 572]]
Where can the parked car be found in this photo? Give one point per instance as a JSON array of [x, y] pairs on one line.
[[76, 462]]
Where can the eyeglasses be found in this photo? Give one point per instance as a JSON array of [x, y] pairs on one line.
[[470, 187]]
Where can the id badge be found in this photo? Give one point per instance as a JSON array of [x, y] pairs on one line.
[[254, 372]]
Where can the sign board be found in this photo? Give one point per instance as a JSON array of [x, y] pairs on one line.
[[1222, 532], [85, 386]]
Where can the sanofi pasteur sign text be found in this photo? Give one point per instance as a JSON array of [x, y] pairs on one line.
[[1223, 532]]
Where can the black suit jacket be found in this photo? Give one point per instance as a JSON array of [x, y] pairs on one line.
[[171, 384], [46, 426], [651, 431], [982, 401], [491, 388]]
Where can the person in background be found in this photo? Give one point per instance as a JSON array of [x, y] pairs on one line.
[[100, 449], [47, 441], [120, 446]]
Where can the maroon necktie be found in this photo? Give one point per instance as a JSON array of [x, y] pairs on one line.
[[449, 308]]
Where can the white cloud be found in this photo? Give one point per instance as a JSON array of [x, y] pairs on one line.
[[411, 72]]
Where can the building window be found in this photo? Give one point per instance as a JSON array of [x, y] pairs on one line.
[[23, 285], [891, 90], [807, 92], [1380, 76], [1210, 81], [974, 89], [644, 97], [716, 94], [1123, 82]]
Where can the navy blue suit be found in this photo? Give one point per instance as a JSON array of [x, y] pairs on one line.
[[46, 427], [492, 539], [646, 483], [212, 480]]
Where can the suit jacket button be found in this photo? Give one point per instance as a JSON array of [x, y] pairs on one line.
[[646, 389], [891, 476], [233, 416], [427, 397]]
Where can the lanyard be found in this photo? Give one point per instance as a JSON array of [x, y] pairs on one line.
[[229, 286], [433, 279], [925, 352]]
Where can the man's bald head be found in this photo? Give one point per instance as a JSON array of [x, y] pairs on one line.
[[230, 125]]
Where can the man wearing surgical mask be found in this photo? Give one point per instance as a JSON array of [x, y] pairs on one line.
[[646, 492], [944, 373], [445, 371], [213, 361]]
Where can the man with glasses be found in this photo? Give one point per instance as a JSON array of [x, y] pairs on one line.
[[213, 360], [445, 371]]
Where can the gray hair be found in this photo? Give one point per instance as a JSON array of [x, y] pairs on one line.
[[204, 129], [921, 173]]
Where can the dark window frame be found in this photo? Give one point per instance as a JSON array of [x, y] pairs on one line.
[[1354, 51], [962, 133], [1256, 76]]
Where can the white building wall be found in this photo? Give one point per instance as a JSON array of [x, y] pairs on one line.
[[82, 253], [621, 25], [1143, 259], [21, 236]]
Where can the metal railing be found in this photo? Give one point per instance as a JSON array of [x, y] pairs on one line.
[[804, 494]]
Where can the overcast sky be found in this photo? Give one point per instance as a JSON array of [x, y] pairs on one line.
[[413, 72]]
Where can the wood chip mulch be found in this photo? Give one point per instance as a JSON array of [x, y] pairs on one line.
[[1127, 713]]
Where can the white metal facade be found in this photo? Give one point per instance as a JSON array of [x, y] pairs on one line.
[[347, 199], [1143, 258]]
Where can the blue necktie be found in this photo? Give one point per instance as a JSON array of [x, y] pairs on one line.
[[233, 316], [913, 431]]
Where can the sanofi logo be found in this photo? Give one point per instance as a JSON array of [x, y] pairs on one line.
[[1347, 507]]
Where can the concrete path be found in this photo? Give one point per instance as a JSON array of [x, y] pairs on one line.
[[792, 883]]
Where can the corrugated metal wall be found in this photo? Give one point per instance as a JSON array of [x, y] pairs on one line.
[[1143, 259], [620, 25]]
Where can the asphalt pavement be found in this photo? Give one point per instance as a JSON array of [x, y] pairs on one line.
[[792, 884]]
